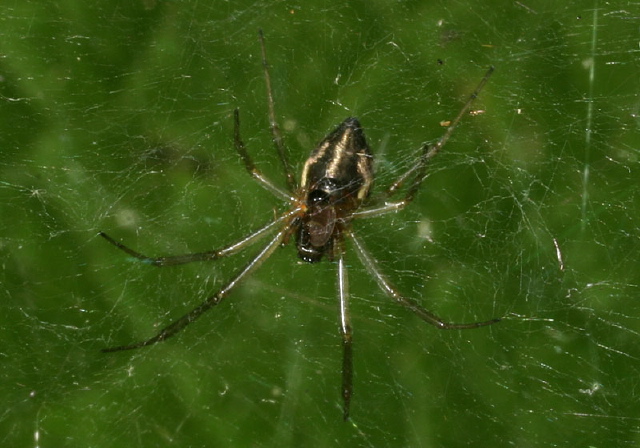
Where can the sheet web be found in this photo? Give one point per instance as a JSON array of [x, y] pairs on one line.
[[120, 120]]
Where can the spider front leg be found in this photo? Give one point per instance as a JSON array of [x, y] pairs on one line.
[[383, 282], [345, 330], [216, 298], [174, 260]]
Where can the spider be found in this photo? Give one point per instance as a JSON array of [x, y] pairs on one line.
[[336, 181]]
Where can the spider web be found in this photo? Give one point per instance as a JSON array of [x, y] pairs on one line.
[[118, 117]]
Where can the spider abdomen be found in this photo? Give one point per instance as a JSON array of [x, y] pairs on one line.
[[341, 165]]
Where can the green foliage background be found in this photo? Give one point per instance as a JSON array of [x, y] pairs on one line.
[[117, 116]]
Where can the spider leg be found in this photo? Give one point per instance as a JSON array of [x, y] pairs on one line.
[[213, 300], [251, 167], [418, 171], [383, 282], [275, 129], [345, 331], [174, 260]]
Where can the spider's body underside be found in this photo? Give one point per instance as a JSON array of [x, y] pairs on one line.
[[336, 181]]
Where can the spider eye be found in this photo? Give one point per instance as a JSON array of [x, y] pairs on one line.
[[318, 196]]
